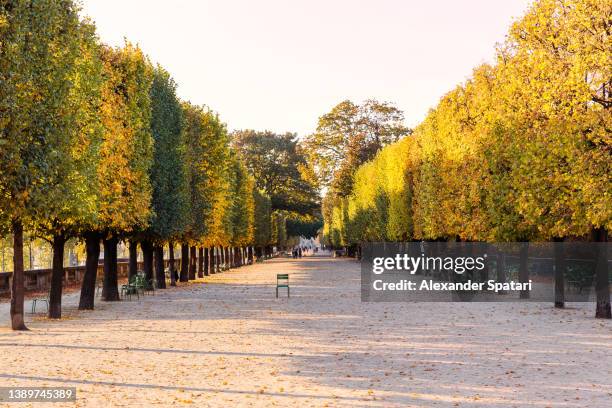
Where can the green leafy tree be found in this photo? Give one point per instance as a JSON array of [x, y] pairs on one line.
[[242, 210], [243, 205], [48, 84], [169, 201], [125, 158], [74, 201], [207, 161], [277, 163], [303, 226], [262, 221], [348, 136], [278, 232]]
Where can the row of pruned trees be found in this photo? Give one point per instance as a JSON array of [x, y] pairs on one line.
[[520, 152], [95, 144]]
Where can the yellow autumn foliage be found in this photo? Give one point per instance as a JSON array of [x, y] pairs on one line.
[[520, 151]]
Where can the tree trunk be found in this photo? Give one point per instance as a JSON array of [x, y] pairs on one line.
[[227, 261], [560, 266], [57, 277], [192, 263], [523, 268], [110, 291], [602, 286], [184, 277], [17, 286], [171, 263], [133, 264], [217, 260], [147, 258], [501, 270], [200, 262], [211, 260], [88, 287], [195, 261], [206, 262], [160, 275], [221, 259]]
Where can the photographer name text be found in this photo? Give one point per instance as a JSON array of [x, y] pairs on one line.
[[430, 285]]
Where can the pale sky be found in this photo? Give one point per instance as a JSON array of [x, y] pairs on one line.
[[280, 64]]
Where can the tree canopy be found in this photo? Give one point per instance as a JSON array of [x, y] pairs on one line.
[[126, 154], [95, 143], [348, 136], [280, 170], [49, 132], [169, 201], [277, 164], [520, 151]]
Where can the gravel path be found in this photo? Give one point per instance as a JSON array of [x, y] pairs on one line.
[[226, 341]]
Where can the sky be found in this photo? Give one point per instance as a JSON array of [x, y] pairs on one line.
[[280, 64]]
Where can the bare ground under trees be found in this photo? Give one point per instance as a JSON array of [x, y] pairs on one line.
[[225, 340]]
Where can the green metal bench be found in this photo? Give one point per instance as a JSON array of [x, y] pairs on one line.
[[131, 288], [128, 290], [35, 301], [143, 285], [282, 281]]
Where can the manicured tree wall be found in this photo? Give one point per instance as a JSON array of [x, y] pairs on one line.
[[262, 222], [519, 152], [125, 159], [243, 205], [170, 202], [48, 79]]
